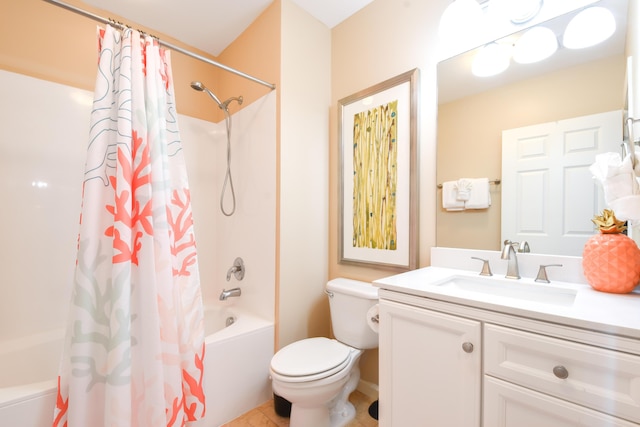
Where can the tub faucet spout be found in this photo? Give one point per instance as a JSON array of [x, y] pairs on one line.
[[235, 292]]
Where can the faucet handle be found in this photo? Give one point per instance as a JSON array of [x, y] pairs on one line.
[[542, 273], [486, 269], [237, 269], [523, 247]]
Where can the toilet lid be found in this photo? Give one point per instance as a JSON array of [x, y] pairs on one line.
[[311, 356]]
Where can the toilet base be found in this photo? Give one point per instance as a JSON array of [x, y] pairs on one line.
[[343, 411], [342, 418], [310, 417], [322, 416]]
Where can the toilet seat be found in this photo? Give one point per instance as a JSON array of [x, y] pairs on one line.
[[310, 359]]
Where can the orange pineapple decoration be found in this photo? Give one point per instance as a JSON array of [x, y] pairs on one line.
[[611, 260]]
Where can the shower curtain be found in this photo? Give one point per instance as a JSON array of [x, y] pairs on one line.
[[135, 343]]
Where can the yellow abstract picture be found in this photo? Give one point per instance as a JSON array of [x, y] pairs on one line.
[[375, 177]]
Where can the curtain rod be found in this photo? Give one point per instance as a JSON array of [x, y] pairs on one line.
[[163, 43]]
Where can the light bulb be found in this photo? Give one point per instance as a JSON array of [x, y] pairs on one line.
[[460, 17], [491, 60], [535, 45], [589, 27]]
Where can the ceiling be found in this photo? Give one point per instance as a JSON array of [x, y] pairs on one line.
[[211, 25]]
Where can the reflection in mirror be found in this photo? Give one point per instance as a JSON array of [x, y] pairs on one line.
[[473, 112]]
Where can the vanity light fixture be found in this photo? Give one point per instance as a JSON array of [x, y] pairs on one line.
[[492, 59], [589, 27], [535, 45], [459, 18], [517, 11]]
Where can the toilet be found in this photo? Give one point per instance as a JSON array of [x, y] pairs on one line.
[[317, 375]]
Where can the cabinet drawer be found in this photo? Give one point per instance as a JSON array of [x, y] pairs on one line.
[[508, 405], [601, 379]]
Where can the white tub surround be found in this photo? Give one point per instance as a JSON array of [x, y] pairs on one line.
[[507, 350]]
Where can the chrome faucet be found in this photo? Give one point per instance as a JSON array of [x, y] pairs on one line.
[[509, 253], [235, 292]]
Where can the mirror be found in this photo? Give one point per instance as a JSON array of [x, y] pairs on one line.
[[473, 112]]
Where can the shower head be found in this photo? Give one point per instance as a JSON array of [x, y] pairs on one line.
[[197, 86], [202, 88]]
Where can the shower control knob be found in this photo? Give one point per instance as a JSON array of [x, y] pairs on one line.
[[467, 347]]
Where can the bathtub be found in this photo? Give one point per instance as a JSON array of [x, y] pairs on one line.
[[29, 367], [239, 347]]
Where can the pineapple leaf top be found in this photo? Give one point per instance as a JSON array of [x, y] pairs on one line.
[[608, 223]]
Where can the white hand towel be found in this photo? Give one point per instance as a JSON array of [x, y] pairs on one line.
[[616, 175], [626, 208], [464, 186], [480, 198], [619, 186], [450, 200]]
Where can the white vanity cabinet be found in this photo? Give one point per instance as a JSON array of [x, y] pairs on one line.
[[520, 372], [430, 368]]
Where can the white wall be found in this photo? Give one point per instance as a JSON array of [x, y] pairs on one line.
[[250, 232], [43, 137], [304, 167], [43, 127]]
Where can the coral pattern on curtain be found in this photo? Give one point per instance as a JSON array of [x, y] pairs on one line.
[[135, 343]]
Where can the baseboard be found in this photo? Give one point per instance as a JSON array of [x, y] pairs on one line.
[[368, 389]]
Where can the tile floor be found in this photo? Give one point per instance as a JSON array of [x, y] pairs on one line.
[[265, 415]]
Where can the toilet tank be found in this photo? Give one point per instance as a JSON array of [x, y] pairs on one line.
[[349, 302]]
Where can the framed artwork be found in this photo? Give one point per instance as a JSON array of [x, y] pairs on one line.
[[377, 127]]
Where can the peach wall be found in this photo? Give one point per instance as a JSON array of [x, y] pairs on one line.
[[383, 40], [45, 41], [470, 132], [255, 52]]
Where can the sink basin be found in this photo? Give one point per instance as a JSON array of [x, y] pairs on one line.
[[514, 289]]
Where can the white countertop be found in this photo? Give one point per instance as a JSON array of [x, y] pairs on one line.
[[592, 310]]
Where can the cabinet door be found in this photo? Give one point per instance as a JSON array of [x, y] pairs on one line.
[[430, 368], [508, 405]]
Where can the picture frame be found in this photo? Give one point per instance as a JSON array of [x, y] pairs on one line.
[[378, 206]]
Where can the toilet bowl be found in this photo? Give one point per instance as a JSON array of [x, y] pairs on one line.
[[312, 374], [317, 375]]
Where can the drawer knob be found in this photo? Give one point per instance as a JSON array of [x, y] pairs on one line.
[[560, 372], [467, 347]]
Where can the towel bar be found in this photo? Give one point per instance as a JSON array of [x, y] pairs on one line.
[[494, 181]]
